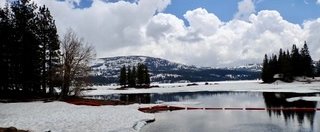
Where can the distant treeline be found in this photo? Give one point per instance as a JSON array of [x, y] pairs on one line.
[[183, 75], [288, 65], [137, 76]]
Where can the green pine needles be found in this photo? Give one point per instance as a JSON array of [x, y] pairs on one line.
[[136, 76], [288, 65]]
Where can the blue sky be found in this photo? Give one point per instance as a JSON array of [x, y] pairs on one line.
[[215, 33], [295, 11]]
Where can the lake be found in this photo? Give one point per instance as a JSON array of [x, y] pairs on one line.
[[229, 120]]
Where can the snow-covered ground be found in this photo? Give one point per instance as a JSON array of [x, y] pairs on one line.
[[306, 98], [250, 86], [63, 117], [60, 116]]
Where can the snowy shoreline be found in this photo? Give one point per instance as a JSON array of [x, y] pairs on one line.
[[232, 86], [62, 117]]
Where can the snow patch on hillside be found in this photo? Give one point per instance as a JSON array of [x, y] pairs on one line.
[[249, 67], [165, 75], [162, 70]]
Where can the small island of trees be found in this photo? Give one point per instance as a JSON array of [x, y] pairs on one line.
[[288, 65], [137, 76]]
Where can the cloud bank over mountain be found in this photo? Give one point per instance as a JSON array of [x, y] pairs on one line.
[[201, 38]]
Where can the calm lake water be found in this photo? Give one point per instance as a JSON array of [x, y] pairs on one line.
[[229, 120]]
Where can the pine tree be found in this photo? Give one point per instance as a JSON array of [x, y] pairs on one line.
[[286, 67], [281, 61], [5, 47], [274, 67], [26, 27], [129, 77], [147, 76], [296, 61], [288, 64], [132, 77], [28, 39], [265, 75], [306, 61], [123, 76], [47, 33], [317, 68], [140, 77]]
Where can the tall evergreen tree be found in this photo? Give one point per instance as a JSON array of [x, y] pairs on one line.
[[132, 77], [29, 48], [129, 77], [6, 43], [47, 33], [274, 67], [281, 61], [306, 61], [147, 76], [265, 75], [123, 76], [140, 76], [317, 69], [288, 64], [296, 61], [30, 60], [286, 67]]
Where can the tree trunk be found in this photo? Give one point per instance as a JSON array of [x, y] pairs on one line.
[[66, 82]]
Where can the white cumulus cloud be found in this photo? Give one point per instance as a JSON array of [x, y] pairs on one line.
[[202, 22], [108, 26], [141, 28]]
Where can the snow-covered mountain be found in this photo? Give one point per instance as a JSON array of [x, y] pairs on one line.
[[248, 67], [106, 70], [105, 65]]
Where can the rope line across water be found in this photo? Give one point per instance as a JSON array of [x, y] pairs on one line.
[[172, 108]]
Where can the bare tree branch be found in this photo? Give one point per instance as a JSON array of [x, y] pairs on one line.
[[76, 56]]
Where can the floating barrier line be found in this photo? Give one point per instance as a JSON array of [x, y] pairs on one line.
[[255, 108], [191, 108], [213, 108], [173, 108], [233, 108]]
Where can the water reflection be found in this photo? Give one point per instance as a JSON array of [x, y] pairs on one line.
[[165, 97], [136, 98], [206, 99], [279, 100], [269, 120]]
